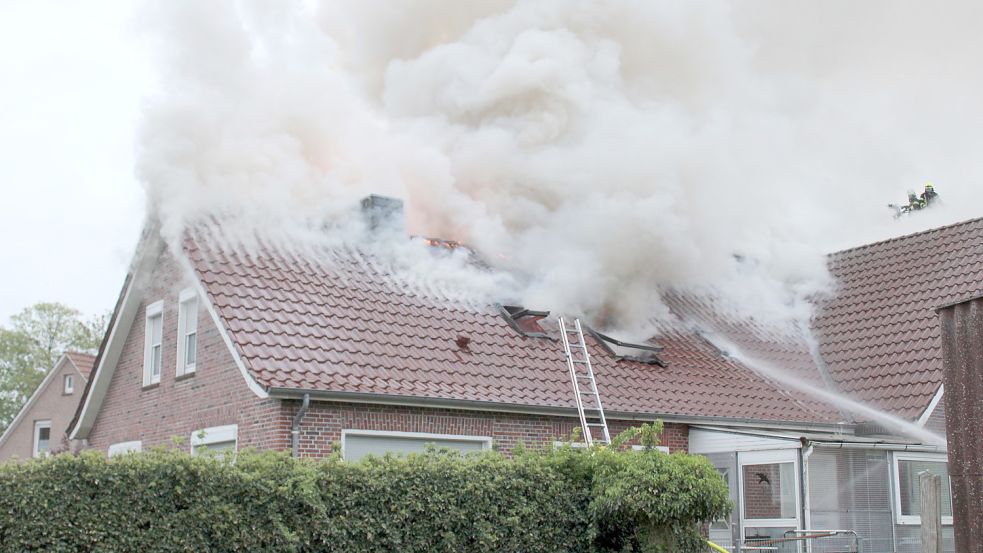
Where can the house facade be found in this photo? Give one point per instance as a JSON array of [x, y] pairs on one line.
[[213, 347], [39, 428]]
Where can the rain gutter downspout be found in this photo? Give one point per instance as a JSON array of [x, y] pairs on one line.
[[295, 427], [806, 509]]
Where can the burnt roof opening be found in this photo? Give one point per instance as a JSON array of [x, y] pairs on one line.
[[641, 353], [524, 321]]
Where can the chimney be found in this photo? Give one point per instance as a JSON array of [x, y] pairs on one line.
[[962, 363], [383, 213]]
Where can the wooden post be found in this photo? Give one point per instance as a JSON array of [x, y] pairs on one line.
[[931, 503]]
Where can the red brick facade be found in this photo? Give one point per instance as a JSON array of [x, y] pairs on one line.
[[323, 423], [217, 395]]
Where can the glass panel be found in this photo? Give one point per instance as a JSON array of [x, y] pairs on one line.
[[156, 325], [217, 449], [908, 471], [191, 315], [44, 438], [769, 491], [357, 446], [155, 360], [190, 349]]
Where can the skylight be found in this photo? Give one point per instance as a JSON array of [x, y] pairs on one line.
[[524, 321], [641, 353]]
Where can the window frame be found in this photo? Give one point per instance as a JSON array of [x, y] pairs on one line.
[[153, 310], [215, 435], [38, 425], [915, 520], [769, 457], [486, 441], [186, 296], [120, 448], [68, 385]]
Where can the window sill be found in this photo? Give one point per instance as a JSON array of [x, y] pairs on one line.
[[150, 386], [184, 376]]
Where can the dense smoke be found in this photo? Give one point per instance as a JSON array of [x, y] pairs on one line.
[[599, 151]]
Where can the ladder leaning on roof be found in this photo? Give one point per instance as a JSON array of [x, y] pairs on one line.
[[584, 385]]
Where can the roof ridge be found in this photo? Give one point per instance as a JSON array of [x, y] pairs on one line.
[[906, 236]]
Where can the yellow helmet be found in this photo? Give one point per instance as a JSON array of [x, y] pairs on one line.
[[928, 186]]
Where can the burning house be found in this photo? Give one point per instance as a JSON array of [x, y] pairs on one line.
[[317, 349]]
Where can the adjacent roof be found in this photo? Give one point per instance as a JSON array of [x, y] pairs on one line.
[[82, 361], [879, 334], [337, 321]]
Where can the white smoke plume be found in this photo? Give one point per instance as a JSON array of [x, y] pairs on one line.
[[602, 150]]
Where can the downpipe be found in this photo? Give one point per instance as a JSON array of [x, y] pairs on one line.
[[295, 427]]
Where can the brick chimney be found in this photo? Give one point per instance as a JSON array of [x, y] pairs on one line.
[[383, 213]]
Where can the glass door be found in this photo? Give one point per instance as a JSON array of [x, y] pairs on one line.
[[770, 503], [725, 531]]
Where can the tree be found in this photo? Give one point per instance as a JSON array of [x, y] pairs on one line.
[[38, 336]]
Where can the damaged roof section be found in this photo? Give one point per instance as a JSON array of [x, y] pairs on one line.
[[641, 353], [524, 321]]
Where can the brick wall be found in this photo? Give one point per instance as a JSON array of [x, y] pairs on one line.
[[324, 421], [215, 395]]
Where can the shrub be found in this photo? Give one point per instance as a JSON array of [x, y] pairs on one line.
[[561, 500]]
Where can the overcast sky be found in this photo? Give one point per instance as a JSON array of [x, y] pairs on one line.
[[72, 82]]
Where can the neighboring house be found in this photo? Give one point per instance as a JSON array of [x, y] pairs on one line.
[[311, 350], [41, 424]]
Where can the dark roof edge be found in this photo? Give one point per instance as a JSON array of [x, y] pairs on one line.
[[903, 237], [975, 296], [474, 405]]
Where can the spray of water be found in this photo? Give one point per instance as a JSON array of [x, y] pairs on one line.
[[863, 411]]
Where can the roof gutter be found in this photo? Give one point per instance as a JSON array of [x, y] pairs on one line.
[[295, 427], [875, 445], [472, 405]]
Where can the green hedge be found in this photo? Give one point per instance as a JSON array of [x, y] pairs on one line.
[[563, 500]]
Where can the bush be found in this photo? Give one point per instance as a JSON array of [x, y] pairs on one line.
[[562, 500]]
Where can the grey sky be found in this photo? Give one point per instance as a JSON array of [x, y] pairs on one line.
[[73, 79]]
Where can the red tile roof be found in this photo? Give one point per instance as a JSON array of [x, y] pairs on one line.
[[339, 323], [82, 361], [342, 324], [879, 334]]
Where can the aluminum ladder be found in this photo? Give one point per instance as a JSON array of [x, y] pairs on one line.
[[584, 385]]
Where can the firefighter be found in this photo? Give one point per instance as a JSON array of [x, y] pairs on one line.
[[929, 194], [914, 202]]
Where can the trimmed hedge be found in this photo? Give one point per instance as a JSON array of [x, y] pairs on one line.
[[563, 500]]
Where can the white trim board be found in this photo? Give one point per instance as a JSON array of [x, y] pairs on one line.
[[930, 410], [148, 250]]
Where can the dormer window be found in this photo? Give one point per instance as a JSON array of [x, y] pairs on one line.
[[524, 321], [641, 353]]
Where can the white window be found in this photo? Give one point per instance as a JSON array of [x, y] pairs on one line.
[[69, 384], [217, 440], [152, 345], [187, 332], [907, 493], [42, 438], [356, 444], [125, 447], [769, 492]]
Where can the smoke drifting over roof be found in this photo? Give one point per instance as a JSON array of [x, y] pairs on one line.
[[604, 150]]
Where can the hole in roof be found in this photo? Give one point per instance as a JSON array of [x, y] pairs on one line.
[[641, 353], [524, 321]]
